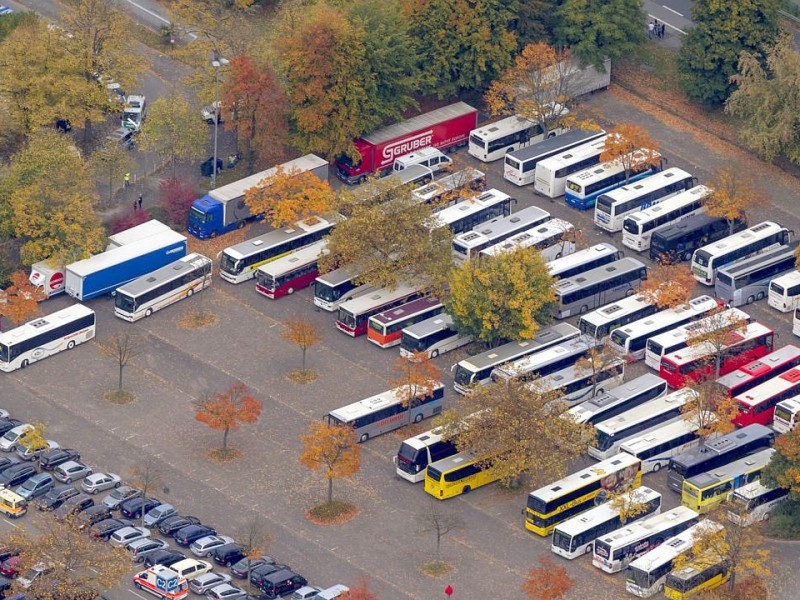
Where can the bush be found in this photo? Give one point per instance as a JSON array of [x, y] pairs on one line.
[[128, 220], [176, 196], [784, 522]]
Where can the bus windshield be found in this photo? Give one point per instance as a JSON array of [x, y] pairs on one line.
[[462, 375], [327, 292], [4, 353], [124, 302], [562, 540], [413, 344], [407, 454], [230, 264]]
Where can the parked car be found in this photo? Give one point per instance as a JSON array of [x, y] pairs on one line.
[[93, 514], [163, 557], [33, 453], [36, 485], [56, 497], [7, 461], [139, 549], [7, 424], [4, 414], [73, 506], [123, 537], [10, 440], [119, 495], [226, 591], [5, 585], [157, 514], [122, 136], [135, 507], [205, 545], [170, 525], [332, 592], [97, 482], [189, 568], [206, 168], [70, 471], [50, 460], [257, 575], [185, 536], [16, 474], [103, 529], [209, 113], [282, 583], [7, 552], [10, 567], [35, 572], [306, 592], [205, 582], [241, 567], [227, 554]]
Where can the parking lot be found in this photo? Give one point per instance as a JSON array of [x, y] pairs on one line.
[[385, 542]]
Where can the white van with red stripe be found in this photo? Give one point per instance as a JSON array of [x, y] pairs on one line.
[[162, 582]]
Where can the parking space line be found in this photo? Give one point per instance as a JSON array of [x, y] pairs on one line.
[[12, 524]]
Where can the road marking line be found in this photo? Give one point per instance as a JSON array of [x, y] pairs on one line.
[[681, 31], [12, 524], [672, 10], [149, 12]]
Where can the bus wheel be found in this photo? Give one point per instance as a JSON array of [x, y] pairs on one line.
[[24, 363], [467, 489], [661, 588], [364, 437], [148, 312], [656, 467], [760, 296], [70, 344], [434, 353], [290, 291], [189, 292], [584, 308], [589, 549], [417, 417], [750, 299]]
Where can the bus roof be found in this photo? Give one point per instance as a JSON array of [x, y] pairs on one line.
[[671, 203], [610, 312], [45, 323], [642, 186], [601, 171], [788, 279], [686, 226], [606, 511], [376, 298], [645, 411], [633, 531], [565, 262], [583, 411], [718, 444], [698, 305], [293, 260], [531, 362], [744, 266], [690, 353], [429, 325], [531, 237], [737, 240], [574, 136], [674, 546], [368, 405], [792, 404], [452, 462], [754, 489], [502, 127], [424, 439], [166, 273], [499, 226], [404, 311], [622, 265], [666, 432], [429, 119], [513, 350], [724, 472], [236, 189], [571, 156], [275, 237], [760, 366], [771, 387], [451, 214], [339, 276], [595, 472], [684, 332], [451, 182]]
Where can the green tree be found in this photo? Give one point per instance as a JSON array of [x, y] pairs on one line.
[[391, 242], [537, 21], [504, 297], [767, 99], [174, 131], [329, 82], [599, 29], [723, 29], [109, 164], [463, 44], [53, 201], [10, 22]]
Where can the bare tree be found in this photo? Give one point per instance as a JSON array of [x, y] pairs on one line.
[[122, 348], [441, 523], [146, 476], [255, 540]]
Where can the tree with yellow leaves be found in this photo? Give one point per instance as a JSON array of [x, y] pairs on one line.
[[20, 300], [332, 449], [173, 131], [668, 286], [303, 333], [503, 297], [783, 469], [599, 362], [416, 377], [709, 408], [732, 195], [712, 335], [289, 196], [632, 147]]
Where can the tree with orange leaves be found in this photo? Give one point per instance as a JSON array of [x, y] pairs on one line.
[[303, 333], [416, 377], [668, 286], [633, 147], [333, 449], [20, 300], [548, 581], [227, 411], [360, 591], [732, 194], [290, 196]]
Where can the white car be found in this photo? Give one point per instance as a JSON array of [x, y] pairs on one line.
[[126, 535], [205, 582], [97, 482], [205, 545], [10, 441]]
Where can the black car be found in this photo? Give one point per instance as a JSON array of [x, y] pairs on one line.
[[133, 508], [103, 529], [227, 554], [186, 535], [93, 514], [50, 460], [282, 583], [242, 566], [16, 474], [172, 524], [258, 574], [74, 505], [7, 461], [163, 557], [8, 424], [56, 497], [5, 585]]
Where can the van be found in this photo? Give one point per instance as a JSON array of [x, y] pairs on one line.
[[432, 158], [12, 504], [189, 568], [281, 582], [162, 582], [332, 592]]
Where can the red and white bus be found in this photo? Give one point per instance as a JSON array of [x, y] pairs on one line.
[[758, 405], [698, 362], [385, 329], [757, 372], [294, 272], [354, 314]]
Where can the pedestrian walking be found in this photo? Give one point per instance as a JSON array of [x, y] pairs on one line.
[[140, 201], [650, 28], [663, 27], [126, 180], [134, 206]]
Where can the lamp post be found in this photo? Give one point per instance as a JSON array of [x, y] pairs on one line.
[[217, 64]]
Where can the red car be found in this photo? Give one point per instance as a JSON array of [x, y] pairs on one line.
[[10, 567]]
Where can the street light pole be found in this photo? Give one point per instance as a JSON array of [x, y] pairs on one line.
[[221, 62]]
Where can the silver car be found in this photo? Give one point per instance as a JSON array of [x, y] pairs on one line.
[[97, 482], [205, 545], [205, 582], [225, 591], [70, 471], [139, 549], [119, 495], [126, 535]]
